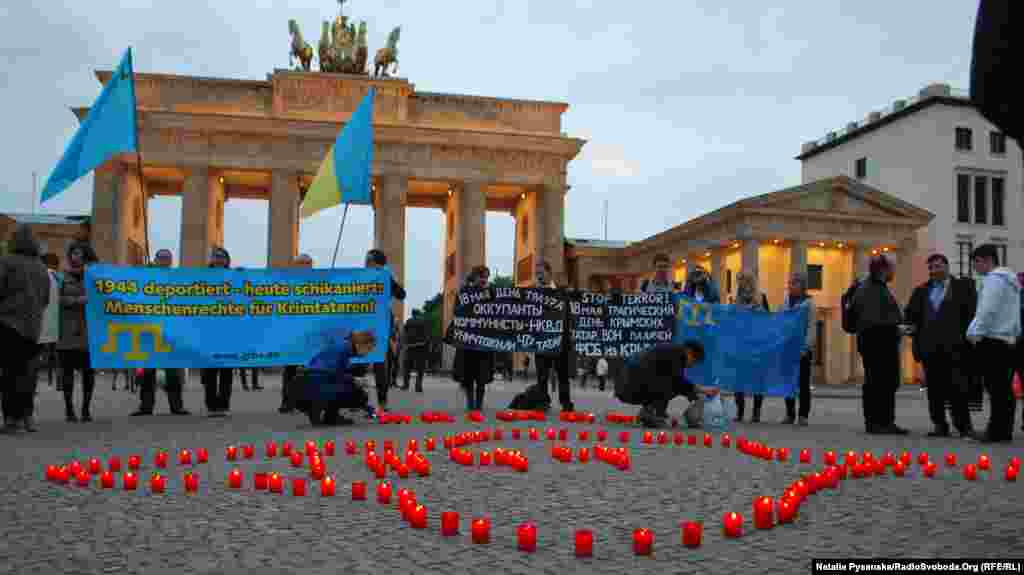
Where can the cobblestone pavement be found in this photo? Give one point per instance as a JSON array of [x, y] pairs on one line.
[[65, 529]]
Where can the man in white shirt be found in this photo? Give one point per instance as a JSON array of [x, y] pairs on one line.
[[993, 332]]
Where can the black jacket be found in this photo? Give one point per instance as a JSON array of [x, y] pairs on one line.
[[946, 332], [660, 369]]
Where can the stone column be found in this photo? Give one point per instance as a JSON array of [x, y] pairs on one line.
[[106, 211], [471, 233], [716, 271], [281, 218], [749, 257], [553, 216], [389, 228], [861, 260], [529, 234], [797, 258], [197, 217]]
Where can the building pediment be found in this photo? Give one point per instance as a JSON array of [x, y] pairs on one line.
[[839, 196]]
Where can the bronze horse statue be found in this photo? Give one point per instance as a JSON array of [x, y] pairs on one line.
[[300, 48], [387, 55]]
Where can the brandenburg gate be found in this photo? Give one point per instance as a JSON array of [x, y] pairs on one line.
[[210, 140]]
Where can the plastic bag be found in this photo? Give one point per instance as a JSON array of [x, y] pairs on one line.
[[718, 414], [694, 414]]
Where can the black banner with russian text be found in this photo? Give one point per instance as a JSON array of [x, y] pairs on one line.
[[530, 320], [619, 325]]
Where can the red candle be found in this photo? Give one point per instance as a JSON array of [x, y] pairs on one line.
[[899, 469], [327, 487], [691, 440], [801, 488], [499, 434], [708, 440], [384, 493], [298, 487], [889, 458], [623, 437], [534, 434], [584, 455], [75, 468], [449, 523], [185, 457], [851, 459], [52, 472], [1015, 462], [971, 472], [787, 511], [485, 458], [157, 483], [764, 517], [984, 463], [63, 474], [516, 433], [107, 480], [602, 435], [930, 468], [95, 467], [805, 456], [520, 463], [418, 517], [235, 479], [563, 435], [317, 472], [202, 455], [131, 481], [261, 481], [161, 459], [584, 543], [310, 447], [830, 458], [191, 482], [481, 531], [232, 453], [286, 449], [248, 451], [358, 491], [648, 437], [276, 483], [643, 541], [271, 449], [114, 464], [526, 536], [584, 435], [732, 524], [430, 443], [951, 459], [693, 533], [782, 454], [922, 458], [726, 440], [296, 459], [906, 458], [1011, 473], [83, 478]]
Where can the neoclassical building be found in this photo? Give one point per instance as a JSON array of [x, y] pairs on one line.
[[210, 140], [829, 228]]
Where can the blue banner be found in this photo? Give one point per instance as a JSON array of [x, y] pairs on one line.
[[745, 350], [158, 318]]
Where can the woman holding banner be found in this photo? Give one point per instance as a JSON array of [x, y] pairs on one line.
[[474, 369], [797, 297], [381, 371], [748, 296], [217, 381]]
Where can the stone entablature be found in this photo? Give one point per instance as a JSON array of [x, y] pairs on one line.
[[315, 96]]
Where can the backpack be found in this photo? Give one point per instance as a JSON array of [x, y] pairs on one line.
[[849, 317]]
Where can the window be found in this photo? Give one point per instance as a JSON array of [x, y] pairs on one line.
[[998, 202], [964, 262], [980, 200], [861, 168], [963, 139], [1002, 253], [963, 198], [997, 143], [814, 276]]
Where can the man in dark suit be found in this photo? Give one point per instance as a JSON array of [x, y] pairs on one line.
[[939, 312]]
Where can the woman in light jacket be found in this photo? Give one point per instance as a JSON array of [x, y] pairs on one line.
[[73, 345], [796, 297]]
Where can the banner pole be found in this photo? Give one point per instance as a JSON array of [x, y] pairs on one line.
[[341, 228]]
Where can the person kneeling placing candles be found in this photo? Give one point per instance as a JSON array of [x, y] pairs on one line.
[[655, 376], [327, 384]]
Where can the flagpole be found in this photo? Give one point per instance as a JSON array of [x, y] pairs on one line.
[[142, 177], [341, 228]]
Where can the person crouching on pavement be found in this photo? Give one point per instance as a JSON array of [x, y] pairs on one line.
[[330, 385], [656, 376]]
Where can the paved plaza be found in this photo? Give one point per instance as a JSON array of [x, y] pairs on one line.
[[48, 528]]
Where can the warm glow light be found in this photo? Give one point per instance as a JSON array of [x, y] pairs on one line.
[[885, 249], [221, 179], [776, 242], [707, 254], [821, 244], [735, 244], [874, 252], [841, 245], [522, 196], [449, 191], [684, 260]]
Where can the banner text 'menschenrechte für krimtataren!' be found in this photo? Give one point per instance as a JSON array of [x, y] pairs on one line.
[[225, 307]]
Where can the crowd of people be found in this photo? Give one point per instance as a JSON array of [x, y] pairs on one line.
[[959, 329]]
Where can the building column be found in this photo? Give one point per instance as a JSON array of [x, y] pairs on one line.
[[716, 271], [198, 215], [465, 237], [283, 213], [750, 254], [798, 258], [861, 260], [529, 235], [553, 215], [392, 194], [106, 211]]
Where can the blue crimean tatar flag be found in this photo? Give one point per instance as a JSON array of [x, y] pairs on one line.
[[108, 129]]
